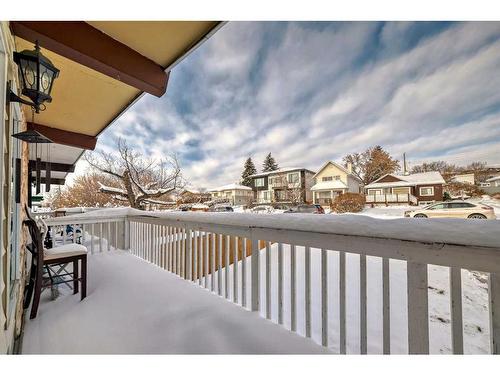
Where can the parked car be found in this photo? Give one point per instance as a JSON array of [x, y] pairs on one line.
[[306, 209], [262, 209], [455, 209], [221, 208]]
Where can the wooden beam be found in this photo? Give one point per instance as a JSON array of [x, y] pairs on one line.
[[86, 45], [54, 167], [53, 181], [64, 137]]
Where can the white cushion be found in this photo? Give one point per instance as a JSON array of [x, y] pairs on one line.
[[64, 251]]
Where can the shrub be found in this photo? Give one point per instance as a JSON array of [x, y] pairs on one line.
[[446, 196], [348, 202], [456, 189]]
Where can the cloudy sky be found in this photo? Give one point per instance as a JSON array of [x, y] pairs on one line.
[[311, 92]]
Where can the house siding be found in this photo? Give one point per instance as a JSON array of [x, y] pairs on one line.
[[438, 193]]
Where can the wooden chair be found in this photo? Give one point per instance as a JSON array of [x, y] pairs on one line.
[[42, 259]]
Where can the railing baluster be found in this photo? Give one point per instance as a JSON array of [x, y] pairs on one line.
[[362, 305], [179, 251], [342, 305], [494, 309], [418, 319], [457, 339], [91, 239], [189, 265], [293, 288], [386, 307], [100, 237], [244, 254], [195, 255], [226, 285], [116, 234], [64, 235], [255, 276], [280, 283], [200, 261], [307, 290], [324, 297], [235, 270], [108, 234], [219, 271], [84, 235], [212, 277], [169, 248], [73, 228], [184, 252], [174, 250], [268, 280], [205, 255]]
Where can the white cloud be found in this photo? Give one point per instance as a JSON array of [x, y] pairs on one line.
[[310, 93]]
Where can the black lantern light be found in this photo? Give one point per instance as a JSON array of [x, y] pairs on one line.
[[37, 75]]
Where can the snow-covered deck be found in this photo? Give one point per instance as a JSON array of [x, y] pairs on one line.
[[135, 307]]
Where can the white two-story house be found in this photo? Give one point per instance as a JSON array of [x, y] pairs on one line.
[[331, 180]]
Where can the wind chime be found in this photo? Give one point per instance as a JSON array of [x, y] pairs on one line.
[[34, 138]]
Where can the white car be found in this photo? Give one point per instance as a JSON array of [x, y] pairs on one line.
[[454, 209], [262, 210]]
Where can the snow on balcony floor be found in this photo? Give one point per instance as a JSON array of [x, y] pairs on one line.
[[135, 307]]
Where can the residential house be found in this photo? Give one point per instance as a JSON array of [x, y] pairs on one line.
[[193, 196], [235, 194], [418, 188], [331, 180], [285, 185], [491, 185], [467, 178], [99, 70]]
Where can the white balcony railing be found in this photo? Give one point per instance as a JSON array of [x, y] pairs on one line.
[[202, 248], [391, 198]]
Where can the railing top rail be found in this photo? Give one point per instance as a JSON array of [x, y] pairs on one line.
[[461, 232]]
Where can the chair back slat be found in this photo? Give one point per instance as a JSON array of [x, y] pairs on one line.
[[36, 246]]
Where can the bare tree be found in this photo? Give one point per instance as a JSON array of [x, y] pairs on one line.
[[371, 164], [141, 179], [288, 191]]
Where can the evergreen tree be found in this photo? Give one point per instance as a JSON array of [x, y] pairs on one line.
[[269, 164], [248, 170]]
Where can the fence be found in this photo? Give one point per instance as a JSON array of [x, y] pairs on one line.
[[222, 253]]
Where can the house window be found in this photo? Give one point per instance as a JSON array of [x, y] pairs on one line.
[[427, 191], [327, 178], [374, 191], [259, 182], [293, 178], [265, 195], [336, 177]]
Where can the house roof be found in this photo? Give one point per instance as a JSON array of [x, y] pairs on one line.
[[339, 167], [493, 179], [409, 180], [231, 187], [281, 170], [90, 93], [329, 185]]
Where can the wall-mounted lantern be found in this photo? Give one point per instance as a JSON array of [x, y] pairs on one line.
[[37, 75]]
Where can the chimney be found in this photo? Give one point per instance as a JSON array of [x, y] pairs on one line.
[[405, 170], [349, 167]]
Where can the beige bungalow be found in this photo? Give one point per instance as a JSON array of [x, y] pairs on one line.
[[236, 194], [331, 180]]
